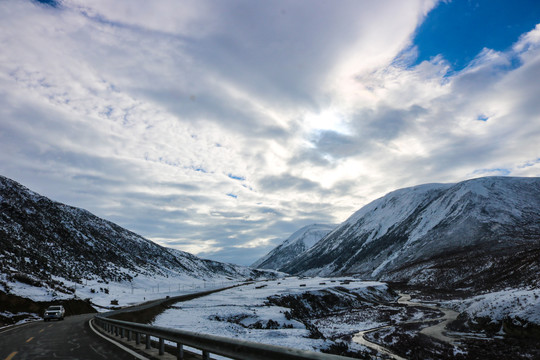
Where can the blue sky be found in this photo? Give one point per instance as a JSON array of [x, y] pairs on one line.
[[459, 30], [221, 127]]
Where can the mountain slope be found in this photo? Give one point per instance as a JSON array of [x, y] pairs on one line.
[[299, 242], [44, 243], [438, 233]]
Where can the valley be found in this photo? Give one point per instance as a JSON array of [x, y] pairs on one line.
[[348, 317], [439, 271], [354, 318]]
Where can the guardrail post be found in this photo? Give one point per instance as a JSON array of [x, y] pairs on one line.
[[148, 342], [137, 338], [116, 330], [205, 355], [122, 333], [179, 351], [161, 346], [129, 335]]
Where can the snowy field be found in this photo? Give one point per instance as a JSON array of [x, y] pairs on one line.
[[102, 294], [105, 296], [513, 303], [245, 313]]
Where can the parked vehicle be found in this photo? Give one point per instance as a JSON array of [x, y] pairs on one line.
[[54, 312]]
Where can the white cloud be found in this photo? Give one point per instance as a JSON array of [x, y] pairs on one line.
[[220, 127]]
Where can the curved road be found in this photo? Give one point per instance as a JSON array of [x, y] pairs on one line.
[[72, 338], [68, 339], [436, 331]]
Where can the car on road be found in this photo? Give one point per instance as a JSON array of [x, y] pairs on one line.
[[54, 312]]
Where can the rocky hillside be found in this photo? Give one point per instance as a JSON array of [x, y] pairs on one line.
[[44, 243], [299, 242], [478, 233]]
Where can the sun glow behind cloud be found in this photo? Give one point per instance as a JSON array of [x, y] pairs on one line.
[[326, 120]]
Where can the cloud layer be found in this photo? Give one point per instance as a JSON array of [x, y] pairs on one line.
[[220, 128]]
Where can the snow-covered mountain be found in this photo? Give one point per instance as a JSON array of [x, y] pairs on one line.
[[483, 231], [299, 242], [54, 246]]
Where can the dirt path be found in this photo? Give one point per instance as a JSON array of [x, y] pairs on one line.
[[360, 339], [436, 331]]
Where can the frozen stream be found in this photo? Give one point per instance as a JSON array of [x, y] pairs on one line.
[[435, 331]]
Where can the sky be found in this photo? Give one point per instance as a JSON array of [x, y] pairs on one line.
[[221, 127]]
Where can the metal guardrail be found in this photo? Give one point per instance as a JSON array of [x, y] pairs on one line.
[[228, 347]]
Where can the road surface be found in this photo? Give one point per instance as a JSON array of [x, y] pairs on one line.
[[71, 338]]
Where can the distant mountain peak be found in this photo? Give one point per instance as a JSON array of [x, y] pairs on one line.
[[299, 242]]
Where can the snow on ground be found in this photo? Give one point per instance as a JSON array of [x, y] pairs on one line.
[[142, 288], [513, 303], [244, 312], [349, 322], [24, 316]]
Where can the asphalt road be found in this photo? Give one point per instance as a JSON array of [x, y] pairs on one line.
[[71, 338]]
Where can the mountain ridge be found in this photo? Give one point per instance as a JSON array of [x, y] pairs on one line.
[[492, 217], [299, 242], [47, 243]]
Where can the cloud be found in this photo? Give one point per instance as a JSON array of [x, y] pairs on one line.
[[335, 144], [222, 127], [289, 182]]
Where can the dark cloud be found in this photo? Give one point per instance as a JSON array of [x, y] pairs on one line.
[[270, 211], [276, 183], [369, 127], [269, 49], [337, 145], [190, 187], [347, 187], [390, 123], [385, 122], [219, 108], [310, 156]]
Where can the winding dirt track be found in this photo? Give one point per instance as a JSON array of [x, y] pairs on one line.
[[436, 331]]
